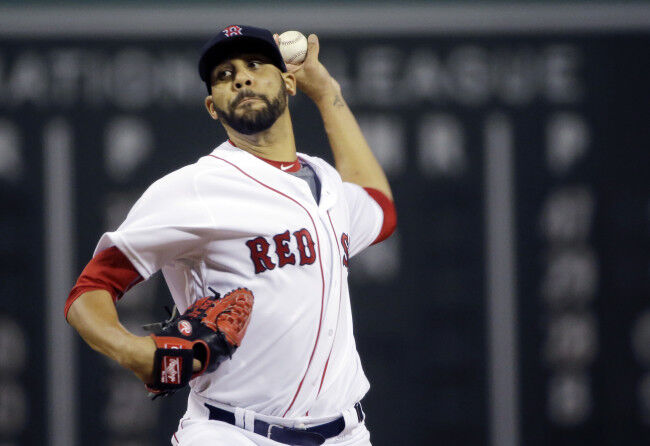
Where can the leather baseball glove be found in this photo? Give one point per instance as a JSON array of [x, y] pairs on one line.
[[210, 330]]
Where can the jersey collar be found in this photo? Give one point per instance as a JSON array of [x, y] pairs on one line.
[[328, 180], [285, 166]]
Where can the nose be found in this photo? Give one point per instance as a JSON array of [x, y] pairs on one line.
[[242, 79]]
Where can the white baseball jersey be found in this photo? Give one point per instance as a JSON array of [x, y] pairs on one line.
[[232, 220]]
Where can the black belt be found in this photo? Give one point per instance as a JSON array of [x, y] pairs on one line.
[[310, 436]]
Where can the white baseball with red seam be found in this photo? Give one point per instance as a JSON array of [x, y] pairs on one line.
[[293, 46]]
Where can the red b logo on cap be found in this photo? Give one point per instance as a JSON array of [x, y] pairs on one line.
[[232, 30]]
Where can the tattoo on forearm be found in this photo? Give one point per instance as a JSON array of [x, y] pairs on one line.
[[338, 102]]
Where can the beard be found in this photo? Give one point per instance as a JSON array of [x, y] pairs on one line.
[[254, 121]]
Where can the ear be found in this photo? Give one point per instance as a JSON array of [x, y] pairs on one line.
[[209, 105], [290, 83]]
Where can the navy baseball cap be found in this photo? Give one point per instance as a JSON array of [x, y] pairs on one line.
[[236, 39]]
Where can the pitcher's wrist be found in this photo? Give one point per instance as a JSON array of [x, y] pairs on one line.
[[330, 98]]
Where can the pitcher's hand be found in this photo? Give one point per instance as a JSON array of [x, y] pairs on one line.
[[312, 77]]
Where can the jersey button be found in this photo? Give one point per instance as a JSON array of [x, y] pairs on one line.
[[330, 332]]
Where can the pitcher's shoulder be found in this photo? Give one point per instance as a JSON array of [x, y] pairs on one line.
[[182, 181], [323, 166]]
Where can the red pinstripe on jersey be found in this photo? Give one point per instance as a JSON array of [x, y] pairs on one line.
[[320, 320], [336, 237]]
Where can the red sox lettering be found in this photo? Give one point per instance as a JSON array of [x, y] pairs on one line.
[[232, 30], [259, 248], [303, 237], [345, 242]]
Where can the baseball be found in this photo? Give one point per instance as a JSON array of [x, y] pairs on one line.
[[293, 46]]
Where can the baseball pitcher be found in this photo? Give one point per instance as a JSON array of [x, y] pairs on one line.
[[254, 241]]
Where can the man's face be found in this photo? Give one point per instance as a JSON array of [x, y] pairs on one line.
[[248, 93]]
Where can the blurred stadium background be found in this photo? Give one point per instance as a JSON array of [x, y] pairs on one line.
[[512, 306]]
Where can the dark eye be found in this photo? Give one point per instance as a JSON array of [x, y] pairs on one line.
[[223, 74], [254, 63]]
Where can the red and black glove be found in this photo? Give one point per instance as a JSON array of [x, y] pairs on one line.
[[210, 330]]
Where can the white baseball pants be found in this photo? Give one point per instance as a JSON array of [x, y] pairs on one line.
[[217, 433]]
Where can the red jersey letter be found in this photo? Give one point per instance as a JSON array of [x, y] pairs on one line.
[[345, 242], [260, 254], [305, 243], [282, 249]]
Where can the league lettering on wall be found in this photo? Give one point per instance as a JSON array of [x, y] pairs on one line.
[[568, 111]]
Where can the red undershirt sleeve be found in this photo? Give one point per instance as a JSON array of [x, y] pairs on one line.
[[109, 270], [390, 214]]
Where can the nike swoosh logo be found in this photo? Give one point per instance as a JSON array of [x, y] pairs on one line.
[[283, 167]]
